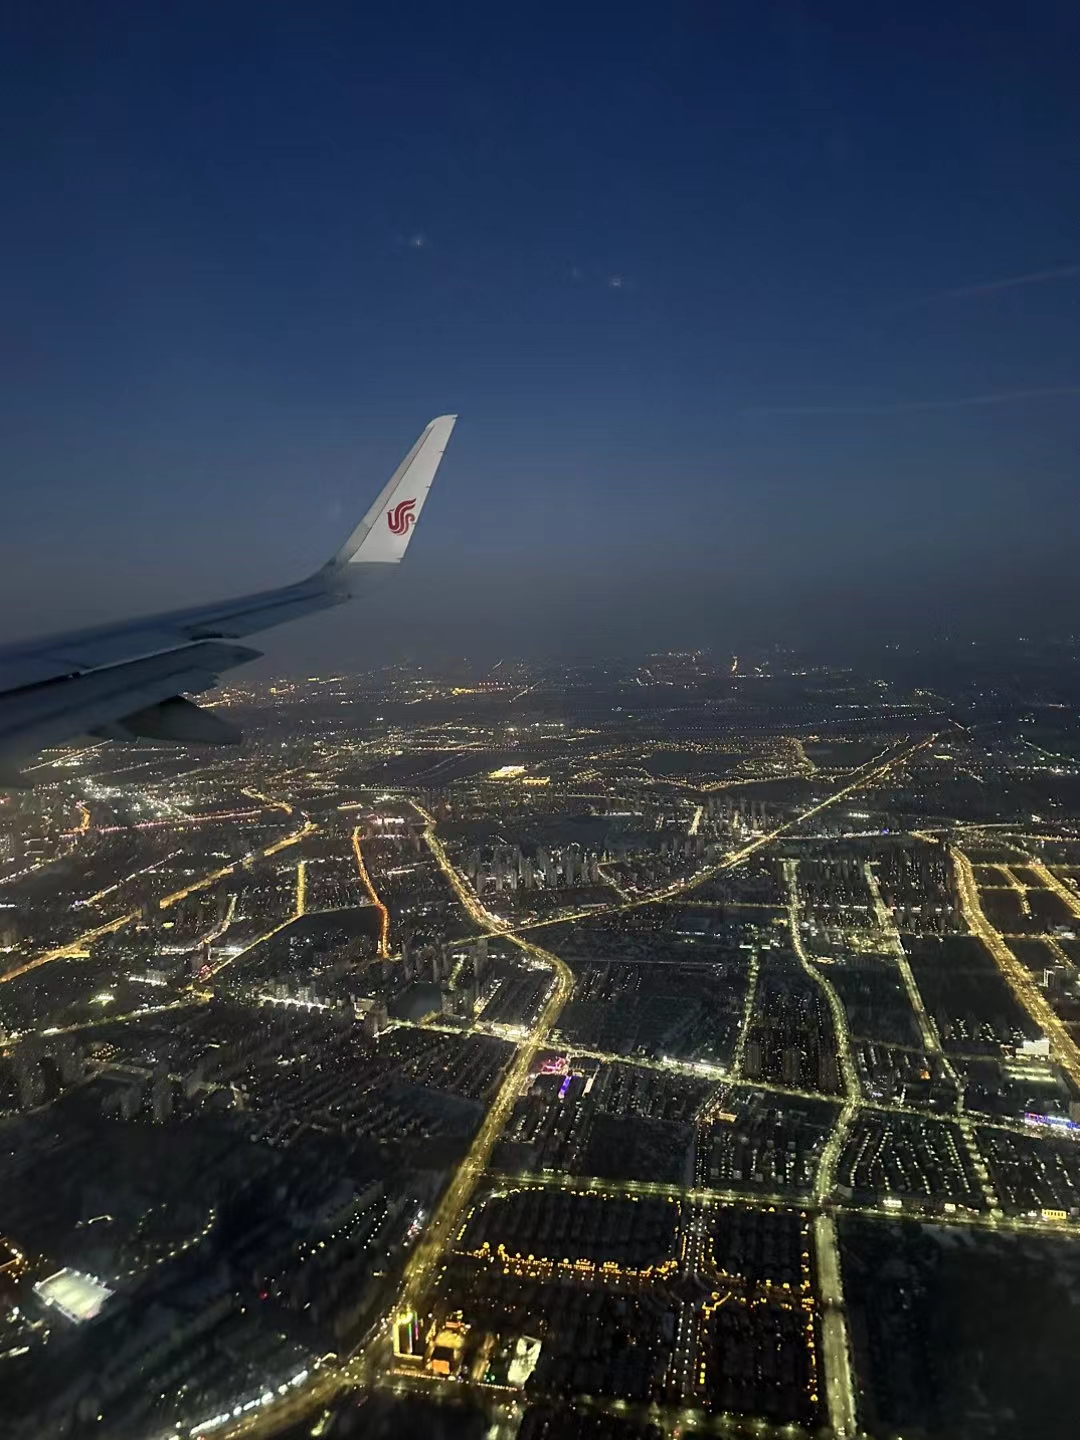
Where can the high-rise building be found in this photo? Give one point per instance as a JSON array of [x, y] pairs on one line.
[[481, 964], [408, 1340], [161, 1095], [69, 1058], [29, 1075]]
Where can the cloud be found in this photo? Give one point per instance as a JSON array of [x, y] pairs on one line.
[[598, 278], [993, 287], [904, 407]]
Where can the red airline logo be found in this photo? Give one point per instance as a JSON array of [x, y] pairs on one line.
[[401, 517]]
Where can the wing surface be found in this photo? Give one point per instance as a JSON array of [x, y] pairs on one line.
[[126, 680]]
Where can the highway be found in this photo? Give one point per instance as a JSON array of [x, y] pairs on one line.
[[268, 800], [365, 878], [100, 895], [1016, 975], [848, 1073], [705, 1070], [425, 1259], [423, 1263], [1051, 881], [1021, 890], [932, 1041], [299, 909], [503, 1182], [836, 1343], [836, 1352], [870, 774], [76, 949], [372, 1361], [420, 1269]]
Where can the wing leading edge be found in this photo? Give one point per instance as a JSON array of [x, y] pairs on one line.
[[125, 681]]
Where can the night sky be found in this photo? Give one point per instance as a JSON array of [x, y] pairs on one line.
[[761, 319]]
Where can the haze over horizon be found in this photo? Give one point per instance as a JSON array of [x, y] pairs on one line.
[[760, 326]]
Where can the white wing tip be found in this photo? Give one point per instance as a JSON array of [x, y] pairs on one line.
[[385, 531]]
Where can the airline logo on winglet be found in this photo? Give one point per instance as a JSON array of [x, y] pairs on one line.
[[401, 517]]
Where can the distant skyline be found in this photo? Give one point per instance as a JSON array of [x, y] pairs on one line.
[[761, 326]]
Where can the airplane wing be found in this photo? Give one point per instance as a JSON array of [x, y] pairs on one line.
[[127, 681]]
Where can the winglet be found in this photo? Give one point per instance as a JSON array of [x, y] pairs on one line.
[[383, 534]]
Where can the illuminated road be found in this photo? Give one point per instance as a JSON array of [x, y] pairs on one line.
[[839, 1379], [428, 1252], [1059, 954], [504, 1183], [1051, 881], [610, 880], [469, 901], [427, 1255], [836, 1345], [931, 1040], [848, 1074], [134, 875], [420, 1269], [695, 1069], [706, 1070], [306, 829], [1019, 980], [748, 1013], [370, 1364], [76, 949], [929, 1034], [365, 878], [270, 803], [870, 776], [1020, 890], [119, 1018], [64, 757], [299, 905], [207, 880], [423, 1263]]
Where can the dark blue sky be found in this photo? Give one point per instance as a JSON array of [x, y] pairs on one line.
[[715, 290]]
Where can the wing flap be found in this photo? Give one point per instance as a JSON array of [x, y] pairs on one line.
[[42, 715], [176, 720]]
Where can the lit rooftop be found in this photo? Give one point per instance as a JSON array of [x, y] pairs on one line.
[[78, 1297]]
